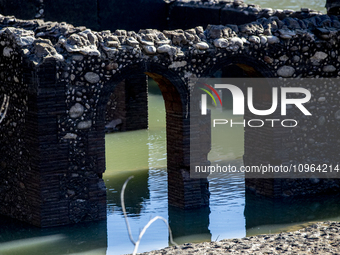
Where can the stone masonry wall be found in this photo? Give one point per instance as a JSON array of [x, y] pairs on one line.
[[71, 72]]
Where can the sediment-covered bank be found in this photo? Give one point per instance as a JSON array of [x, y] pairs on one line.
[[320, 238]]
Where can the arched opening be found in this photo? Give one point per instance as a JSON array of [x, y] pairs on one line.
[[239, 144], [242, 140], [182, 191]]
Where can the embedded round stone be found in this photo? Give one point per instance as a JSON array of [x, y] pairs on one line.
[[337, 115], [92, 77], [164, 48], [149, 49], [236, 41], [286, 71], [321, 121], [84, 124], [221, 43], [254, 39], [70, 136], [329, 68], [283, 58], [268, 59], [263, 39], [272, 39], [319, 55], [132, 41], [202, 46], [296, 59], [7, 52], [76, 111]]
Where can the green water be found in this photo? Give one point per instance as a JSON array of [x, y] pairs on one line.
[[317, 5]]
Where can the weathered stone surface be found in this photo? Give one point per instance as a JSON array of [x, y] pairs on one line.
[[202, 46], [263, 39], [284, 58], [329, 68], [254, 39], [44, 49], [337, 115], [166, 49], [70, 136], [268, 59], [132, 41], [7, 51], [150, 49], [84, 124], [76, 111], [296, 59], [178, 64], [237, 41], [221, 43], [286, 71], [273, 39], [287, 34], [321, 120], [26, 41], [319, 55], [92, 77]]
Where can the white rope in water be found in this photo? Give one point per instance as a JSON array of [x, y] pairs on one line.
[[136, 244]]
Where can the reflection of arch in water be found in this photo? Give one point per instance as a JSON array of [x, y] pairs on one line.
[[182, 191]]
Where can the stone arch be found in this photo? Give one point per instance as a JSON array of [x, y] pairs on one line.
[[248, 63], [260, 145], [183, 191]]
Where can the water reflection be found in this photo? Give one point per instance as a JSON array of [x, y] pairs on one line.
[[18, 238], [261, 211], [136, 193], [189, 225]]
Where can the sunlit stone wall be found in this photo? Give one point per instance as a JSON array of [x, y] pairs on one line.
[[59, 79]]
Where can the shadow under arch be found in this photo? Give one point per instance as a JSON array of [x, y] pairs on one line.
[[254, 74], [258, 75], [250, 65], [183, 192], [259, 143]]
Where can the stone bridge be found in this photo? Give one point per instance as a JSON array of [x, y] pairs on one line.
[[57, 81]]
